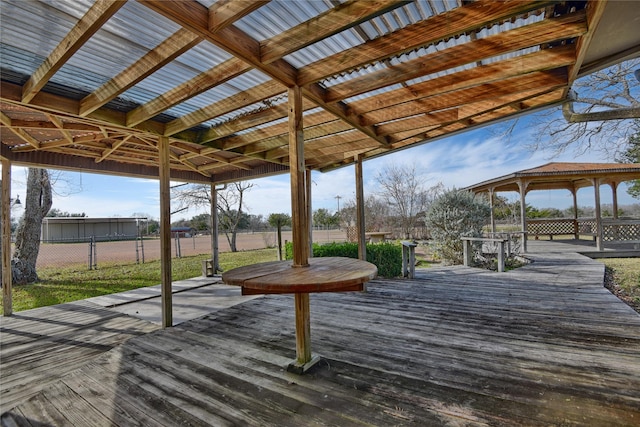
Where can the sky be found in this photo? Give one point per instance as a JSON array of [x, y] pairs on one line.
[[457, 161]]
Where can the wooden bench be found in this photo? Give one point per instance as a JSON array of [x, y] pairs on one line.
[[467, 252], [409, 259]]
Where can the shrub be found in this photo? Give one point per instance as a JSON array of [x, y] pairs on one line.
[[386, 256], [452, 215]]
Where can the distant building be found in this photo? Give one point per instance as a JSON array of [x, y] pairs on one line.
[[183, 231], [79, 229]]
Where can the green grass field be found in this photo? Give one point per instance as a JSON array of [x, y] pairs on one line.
[[74, 283]]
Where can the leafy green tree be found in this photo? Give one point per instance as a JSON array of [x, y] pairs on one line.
[[201, 222], [279, 220], [323, 218], [452, 215]]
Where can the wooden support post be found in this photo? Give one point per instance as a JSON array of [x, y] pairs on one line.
[[300, 229], [214, 229], [614, 196], [522, 186], [309, 210], [360, 224], [7, 292], [466, 252], [576, 230], [165, 232], [501, 257], [599, 242]]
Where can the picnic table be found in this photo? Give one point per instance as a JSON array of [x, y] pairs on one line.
[[327, 274], [377, 236]]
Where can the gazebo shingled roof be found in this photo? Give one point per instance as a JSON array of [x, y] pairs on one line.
[[561, 175]]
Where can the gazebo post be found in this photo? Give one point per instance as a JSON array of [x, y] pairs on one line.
[[522, 187], [614, 196], [574, 194], [596, 186]]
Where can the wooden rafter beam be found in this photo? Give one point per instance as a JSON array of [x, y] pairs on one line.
[[460, 98], [543, 60], [247, 121], [278, 130], [87, 26], [548, 30], [595, 10], [224, 13], [178, 43], [199, 84], [194, 16], [458, 21], [333, 21], [60, 126], [19, 132], [106, 153], [254, 95]]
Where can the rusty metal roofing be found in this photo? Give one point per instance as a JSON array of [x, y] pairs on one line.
[[93, 85]]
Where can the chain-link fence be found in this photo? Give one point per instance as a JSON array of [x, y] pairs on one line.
[[129, 249]]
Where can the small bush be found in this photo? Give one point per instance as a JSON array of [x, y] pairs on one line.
[[452, 215], [386, 256]]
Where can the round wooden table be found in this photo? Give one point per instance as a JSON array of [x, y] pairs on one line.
[[328, 274]]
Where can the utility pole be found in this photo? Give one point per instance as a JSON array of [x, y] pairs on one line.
[[338, 199]]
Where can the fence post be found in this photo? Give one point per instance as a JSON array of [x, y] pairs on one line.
[[93, 253], [177, 242], [137, 252]]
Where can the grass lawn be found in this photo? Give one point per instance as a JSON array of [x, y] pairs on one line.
[[622, 277], [57, 286]]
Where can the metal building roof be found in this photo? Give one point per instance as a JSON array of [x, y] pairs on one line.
[[92, 85]]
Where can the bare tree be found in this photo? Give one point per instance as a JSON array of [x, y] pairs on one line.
[[37, 204], [404, 193], [606, 100], [230, 205]]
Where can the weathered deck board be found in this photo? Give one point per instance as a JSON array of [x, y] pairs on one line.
[[543, 345], [38, 346]]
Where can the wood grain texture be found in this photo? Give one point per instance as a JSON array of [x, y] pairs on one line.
[[330, 274], [542, 345]]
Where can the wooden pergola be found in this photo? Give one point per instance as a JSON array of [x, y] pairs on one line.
[[219, 91], [562, 176]]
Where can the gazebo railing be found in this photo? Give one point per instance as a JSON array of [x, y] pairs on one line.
[[561, 227], [613, 230], [621, 230]]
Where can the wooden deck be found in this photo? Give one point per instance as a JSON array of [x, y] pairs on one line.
[[544, 345]]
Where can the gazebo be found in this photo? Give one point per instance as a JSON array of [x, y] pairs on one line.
[[213, 92], [571, 177]]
